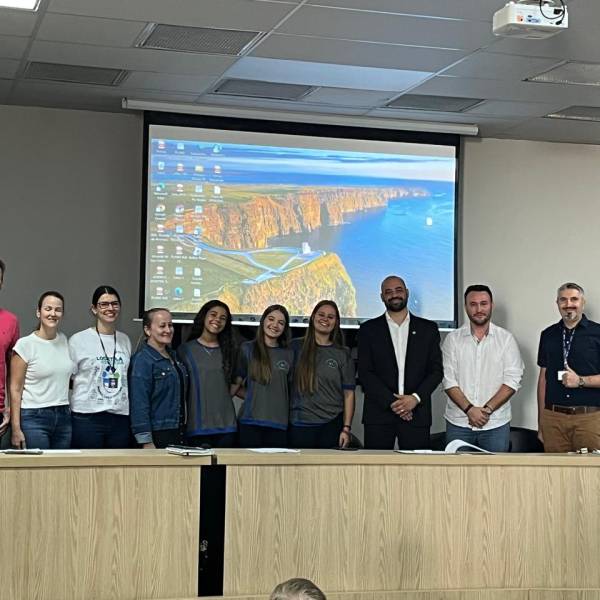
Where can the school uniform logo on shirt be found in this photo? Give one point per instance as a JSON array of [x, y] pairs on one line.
[[332, 363]]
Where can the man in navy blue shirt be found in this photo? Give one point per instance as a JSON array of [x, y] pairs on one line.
[[569, 380]]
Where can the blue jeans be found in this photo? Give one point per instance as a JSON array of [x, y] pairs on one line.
[[100, 430], [47, 428], [493, 440]]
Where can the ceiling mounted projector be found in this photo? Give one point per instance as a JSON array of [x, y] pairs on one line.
[[533, 21]]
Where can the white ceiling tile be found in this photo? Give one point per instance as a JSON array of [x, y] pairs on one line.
[[8, 67], [82, 96], [12, 46], [488, 65], [392, 29], [134, 59], [233, 14], [348, 97], [474, 10], [165, 81], [498, 108], [5, 87], [364, 54], [289, 71], [302, 107], [557, 130], [520, 91], [17, 22], [87, 30]]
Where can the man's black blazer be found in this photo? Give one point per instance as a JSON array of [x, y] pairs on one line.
[[378, 371]]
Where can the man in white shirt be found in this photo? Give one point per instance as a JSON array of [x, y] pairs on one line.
[[482, 370]]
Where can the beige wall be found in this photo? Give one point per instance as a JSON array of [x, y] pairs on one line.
[[70, 219]]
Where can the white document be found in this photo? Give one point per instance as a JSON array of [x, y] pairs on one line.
[[275, 450], [454, 447]]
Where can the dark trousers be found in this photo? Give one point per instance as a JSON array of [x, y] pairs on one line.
[[100, 430], [167, 437], [255, 436], [326, 435], [214, 440], [47, 428], [383, 437]]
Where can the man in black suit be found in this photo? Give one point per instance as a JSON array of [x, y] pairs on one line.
[[399, 367]]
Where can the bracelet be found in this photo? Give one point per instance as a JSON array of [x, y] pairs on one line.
[[466, 410], [488, 409], [348, 427]]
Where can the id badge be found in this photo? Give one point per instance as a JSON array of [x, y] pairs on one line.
[[560, 375]]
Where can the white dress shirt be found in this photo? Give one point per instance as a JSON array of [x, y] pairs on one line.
[[399, 334], [479, 369]]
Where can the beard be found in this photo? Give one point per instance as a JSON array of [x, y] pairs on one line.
[[479, 321], [396, 304]]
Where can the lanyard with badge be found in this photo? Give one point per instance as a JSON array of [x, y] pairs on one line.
[[566, 349], [110, 377]]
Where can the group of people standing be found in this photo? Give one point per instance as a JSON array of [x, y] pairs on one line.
[[298, 393], [91, 391]]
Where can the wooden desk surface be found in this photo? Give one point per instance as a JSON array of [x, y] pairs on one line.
[[238, 456], [101, 458]]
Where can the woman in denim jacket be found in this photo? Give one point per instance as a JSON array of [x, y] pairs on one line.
[[157, 385]]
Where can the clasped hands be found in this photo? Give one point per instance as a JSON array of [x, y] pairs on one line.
[[403, 406]]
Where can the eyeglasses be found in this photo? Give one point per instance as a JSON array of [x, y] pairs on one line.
[[103, 305]]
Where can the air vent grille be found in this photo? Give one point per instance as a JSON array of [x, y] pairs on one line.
[[74, 73], [199, 40], [434, 103], [577, 113]]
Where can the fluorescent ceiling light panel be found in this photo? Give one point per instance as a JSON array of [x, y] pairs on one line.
[[262, 89], [325, 74], [20, 4], [571, 72], [577, 113]]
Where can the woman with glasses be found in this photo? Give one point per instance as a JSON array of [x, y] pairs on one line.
[[100, 402], [40, 370]]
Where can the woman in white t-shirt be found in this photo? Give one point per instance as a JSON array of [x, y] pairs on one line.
[[40, 370], [100, 401]]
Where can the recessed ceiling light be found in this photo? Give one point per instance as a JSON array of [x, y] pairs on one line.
[[20, 4], [571, 72]]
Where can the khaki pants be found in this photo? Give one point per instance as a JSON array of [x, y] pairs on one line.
[[567, 433]]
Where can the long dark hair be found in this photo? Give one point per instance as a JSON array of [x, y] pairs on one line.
[[225, 338], [260, 363], [306, 368]]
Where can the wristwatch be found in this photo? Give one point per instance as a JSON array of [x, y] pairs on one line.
[[581, 381]]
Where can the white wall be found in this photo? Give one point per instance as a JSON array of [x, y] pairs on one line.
[[530, 221], [70, 209], [70, 219]]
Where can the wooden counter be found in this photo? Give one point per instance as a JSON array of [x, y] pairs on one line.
[[99, 524], [387, 525], [363, 525]]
